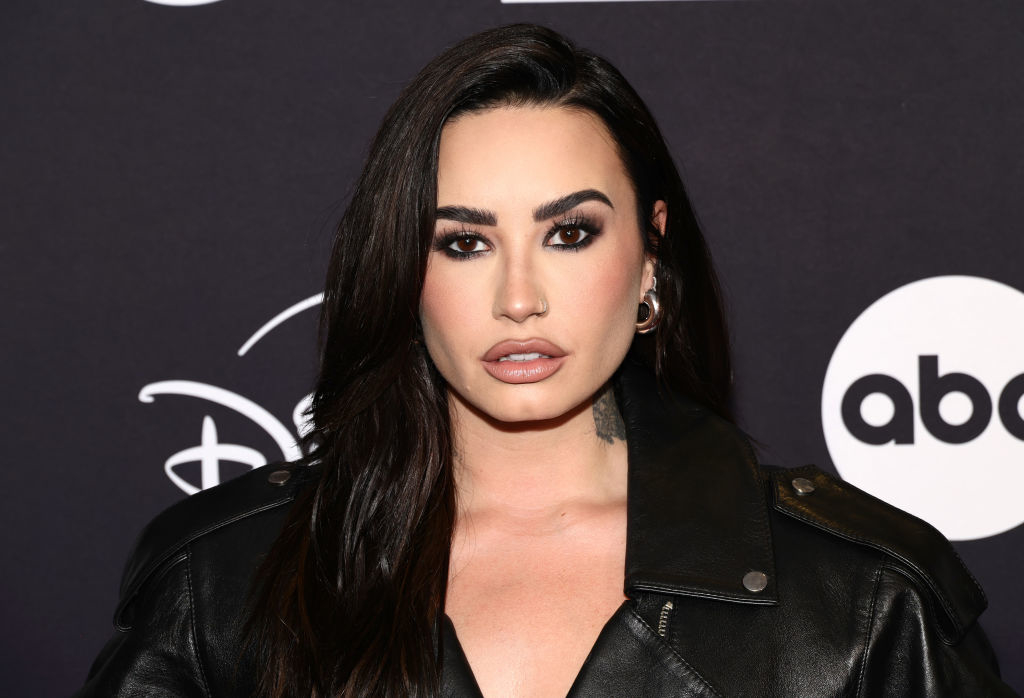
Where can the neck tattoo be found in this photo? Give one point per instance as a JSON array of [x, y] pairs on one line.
[[607, 419]]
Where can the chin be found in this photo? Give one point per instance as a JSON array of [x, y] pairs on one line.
[[523, 410]]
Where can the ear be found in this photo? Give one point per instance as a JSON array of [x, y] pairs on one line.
[[659, 214]]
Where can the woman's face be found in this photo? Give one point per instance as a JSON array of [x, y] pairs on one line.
[[531, 292]]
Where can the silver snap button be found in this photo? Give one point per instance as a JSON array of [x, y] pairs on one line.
[[803, 486], [755, 581], [278, 477]]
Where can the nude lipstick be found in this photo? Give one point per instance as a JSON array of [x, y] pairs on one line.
[[523, 360]]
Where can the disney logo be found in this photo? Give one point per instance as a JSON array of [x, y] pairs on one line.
[[210, 452]]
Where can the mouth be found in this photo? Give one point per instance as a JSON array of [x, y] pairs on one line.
[[524, 357], [523, 361]]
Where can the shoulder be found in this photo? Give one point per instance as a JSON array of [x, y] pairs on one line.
[[848, 516], [254, 503]]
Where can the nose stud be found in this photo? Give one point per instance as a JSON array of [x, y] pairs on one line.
[[518, 307]]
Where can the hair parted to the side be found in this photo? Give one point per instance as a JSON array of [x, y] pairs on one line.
[[348, 601]]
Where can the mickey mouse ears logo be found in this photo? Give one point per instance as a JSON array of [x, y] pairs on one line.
[[922, 403]]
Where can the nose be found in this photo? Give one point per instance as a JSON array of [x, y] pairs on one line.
[[519, 294]]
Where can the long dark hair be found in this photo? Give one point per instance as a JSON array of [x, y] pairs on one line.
[[349, 599]]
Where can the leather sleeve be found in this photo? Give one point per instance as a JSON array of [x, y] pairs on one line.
[[907, 655], [154, 649]]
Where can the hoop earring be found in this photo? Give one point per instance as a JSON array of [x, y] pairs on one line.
[[648, 321]]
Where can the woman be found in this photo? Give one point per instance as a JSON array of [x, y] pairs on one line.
[[521, 326]]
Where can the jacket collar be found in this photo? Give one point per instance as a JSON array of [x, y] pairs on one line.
[[697, 513]]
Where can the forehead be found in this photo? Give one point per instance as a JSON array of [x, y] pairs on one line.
[[511, 155]]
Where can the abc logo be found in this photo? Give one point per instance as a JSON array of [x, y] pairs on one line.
[[923, 399], [932, 389]]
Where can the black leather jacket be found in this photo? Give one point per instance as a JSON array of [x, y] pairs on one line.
[[741, 581]]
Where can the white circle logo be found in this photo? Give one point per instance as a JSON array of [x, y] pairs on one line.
[[923, 400]]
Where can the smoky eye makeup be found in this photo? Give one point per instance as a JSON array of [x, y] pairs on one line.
[[573, 232], [569, 233], [460, 244]]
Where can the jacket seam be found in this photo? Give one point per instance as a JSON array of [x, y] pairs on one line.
[[869, 630], [929, 607], [151, 567], [850, 535], [156, 578], [763, 522], [195, 626], [670, 590], [963, 566], [660, 640]]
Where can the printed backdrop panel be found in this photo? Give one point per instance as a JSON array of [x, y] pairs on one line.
[[172, 171]]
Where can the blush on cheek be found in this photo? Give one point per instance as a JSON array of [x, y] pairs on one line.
[[614, 290], [606, 317]]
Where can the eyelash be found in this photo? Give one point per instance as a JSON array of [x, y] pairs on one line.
[[577, 221]]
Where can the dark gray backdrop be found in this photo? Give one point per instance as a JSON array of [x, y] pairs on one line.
[[170, 176]]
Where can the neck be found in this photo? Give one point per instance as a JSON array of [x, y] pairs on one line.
[[535, 472]]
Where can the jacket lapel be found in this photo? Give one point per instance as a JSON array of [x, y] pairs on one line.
[[697, 515], [629, 660], [457, 680]]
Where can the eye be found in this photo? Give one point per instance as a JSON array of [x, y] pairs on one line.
[[568, 235], [573, 233], [461, 245], [467, 245]]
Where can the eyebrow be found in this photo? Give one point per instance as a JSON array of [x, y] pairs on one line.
[[477, 216], [567, 203], [464, 214]]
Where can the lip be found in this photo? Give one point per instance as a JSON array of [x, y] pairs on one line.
[[529, 371]]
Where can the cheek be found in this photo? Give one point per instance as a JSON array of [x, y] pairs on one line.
[[611, 291], [445, 314], [436, 303], [602, 308]]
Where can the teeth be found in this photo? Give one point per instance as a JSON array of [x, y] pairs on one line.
[[524, 357]]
